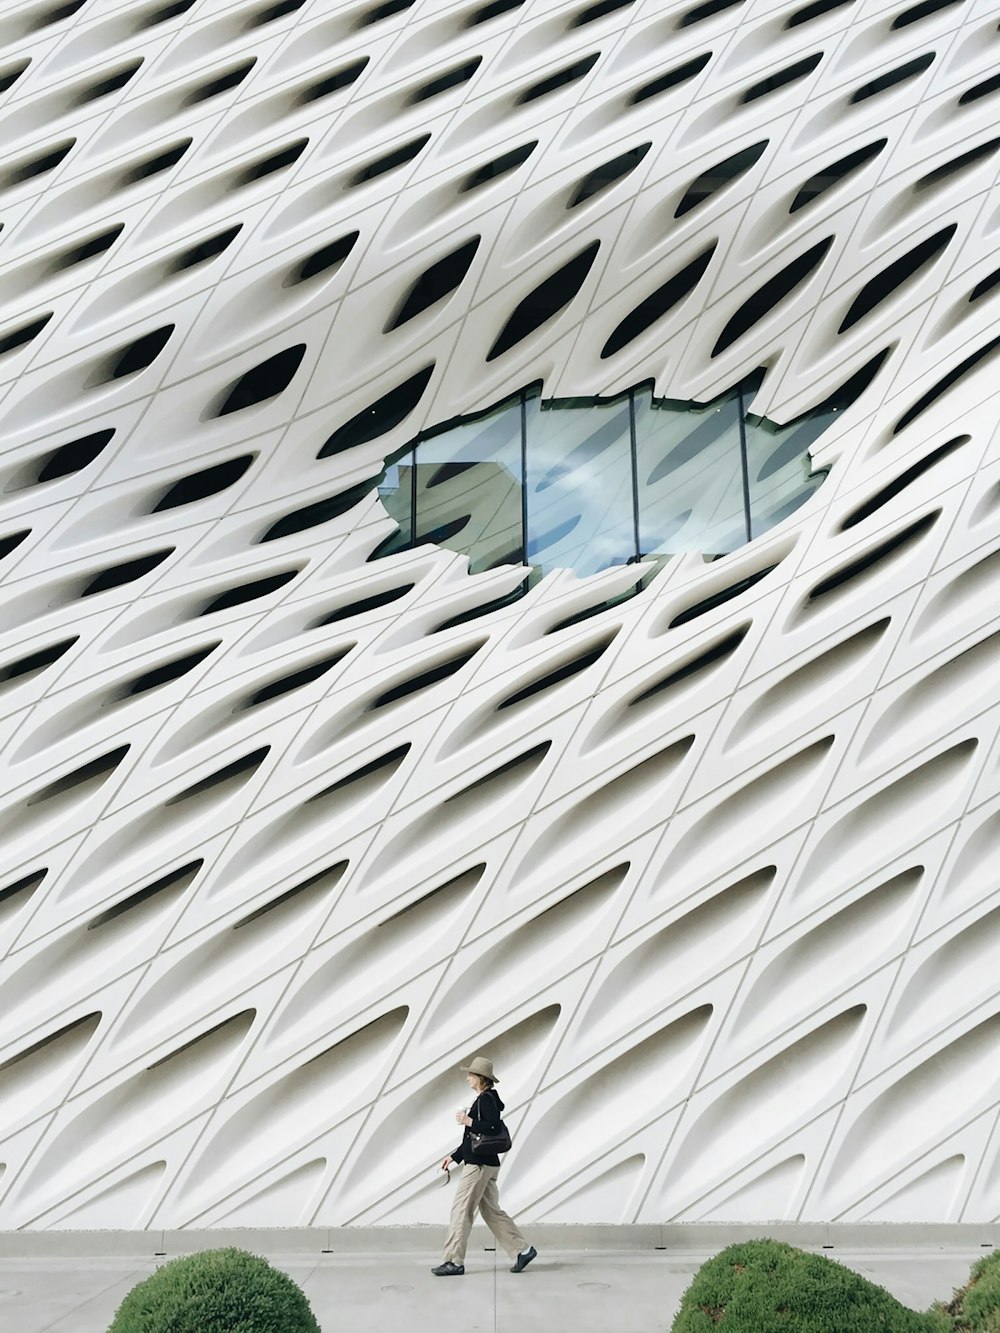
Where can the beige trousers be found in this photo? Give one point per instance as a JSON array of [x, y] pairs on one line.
[[477, 1188]]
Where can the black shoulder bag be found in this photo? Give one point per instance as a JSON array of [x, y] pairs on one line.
[[497, 1142]]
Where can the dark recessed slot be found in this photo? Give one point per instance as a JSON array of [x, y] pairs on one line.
[[390, 161], [718, 177], [166, 673], [205, 250], [322, 261], [73, 456], [332, 875], [239, 1026], [815, 11], [452, 78], [390, 761], [562, 79], [136, 356], [12, 541], [500, 166], [963, 163], [248, 592], [594, 12], [877, 556], [708, 10], [672, 79], [770, 296], [232, 78], [710, 657], [484, 608], [239, 772], [26, 666], [551, 679], [610, 173], [93, 773], [892, 77], [332, 83], [546, 301], [526, 763], [295, 680], [86, 1026], [985, 285], [10, 342], [36, 166], [905, 479], [435, 283], [423, 680], [164, 13], [889, 281], [152, 166], [598, 608], [200, 485], [492, 11], [271, 13], [384, 11], [923, 11], [946, 383], [27, 885], [264, 381], [172, 884], [782, 78], [320, 511], [57, 14], [835, 173], [445, 531], [720, 598], [852, 388], [110, 83], [384, 415], [984, 89], [363, 605], [10, 75], [267, 166], [116, 576], [96, 245], [658, 303]]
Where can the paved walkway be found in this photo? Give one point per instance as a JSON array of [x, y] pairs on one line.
[[621, 1290]]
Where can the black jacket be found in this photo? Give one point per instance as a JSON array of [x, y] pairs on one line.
[[485, 1111]]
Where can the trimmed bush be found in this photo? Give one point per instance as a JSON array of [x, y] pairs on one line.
[[216, 1291], [765, 1286], [976, 1306]]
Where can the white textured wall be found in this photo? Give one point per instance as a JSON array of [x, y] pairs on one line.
[[745, 926]]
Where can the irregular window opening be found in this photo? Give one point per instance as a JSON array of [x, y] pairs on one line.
[[875, 558], [263, 381], [708, 10], [329, 877], [12, 541], [492, 11], [325, 260], [562, 79], [333, 83], [248, 592], [948, 169], [152, 166], [720, 598], [85, 1026], [782, 78], [500, 166], [435, 283], [295, 680], [706, 660], [36, 166], [134, 357], [26, 885], [320, 511], [163, 13], [363, 605], [239, 1026], [200, 485], [550, 679], [835, 173], [423, 680], [548, 299], [238, 773], [672, 79], [73, 456], [385, 765], [384, 11], [598, 608], [12, 73], [205, 250], [89, 249], [170, 885], [221, 83], [905, 479], [37, 661], [984, 89], [452, 78], [390, 161], [776, 290], [271, 13], [116, 576], [93, 774], [382, 416], [815, 11], [594, 12], [609, 174], [658, 303], [893, 77], [985, 286], [166, 673], [896, 275], [922, 11], [267, 166], [110, 83], [483, 608], [947, 382], [718, 177], [10, 342]]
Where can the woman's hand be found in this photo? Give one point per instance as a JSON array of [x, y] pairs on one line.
[[448, 1161], [462, 1119]]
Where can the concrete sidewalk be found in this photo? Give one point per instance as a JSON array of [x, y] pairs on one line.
[[58, 1283]]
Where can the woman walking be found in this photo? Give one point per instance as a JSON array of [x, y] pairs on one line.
[[477, 1183]]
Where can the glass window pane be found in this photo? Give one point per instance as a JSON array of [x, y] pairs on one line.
[[469, 489], [690, 476], [580, 512], [394, 490], [781, 477]]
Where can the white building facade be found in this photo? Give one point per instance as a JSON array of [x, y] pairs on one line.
[[500, 553]]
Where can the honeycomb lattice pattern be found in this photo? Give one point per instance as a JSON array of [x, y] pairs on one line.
[[289, 827]]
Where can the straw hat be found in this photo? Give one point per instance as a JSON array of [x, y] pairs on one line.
[[481, 1066]]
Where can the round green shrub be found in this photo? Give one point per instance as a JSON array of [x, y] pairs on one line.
[[976, 1306], [765, 1286], [216, 1291]]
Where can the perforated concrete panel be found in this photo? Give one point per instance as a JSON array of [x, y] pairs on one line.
[[290, 828]]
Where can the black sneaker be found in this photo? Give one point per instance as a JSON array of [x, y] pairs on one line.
[[449, 1270], [524, 1259]]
